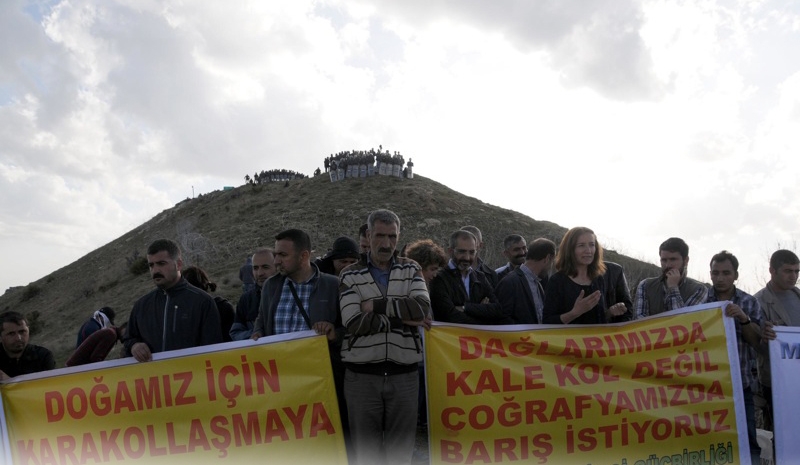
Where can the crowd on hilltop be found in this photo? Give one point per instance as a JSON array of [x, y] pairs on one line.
[[273, 176], [363, 163], [371, 299]]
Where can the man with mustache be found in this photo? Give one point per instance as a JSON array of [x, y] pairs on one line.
[[262, 268], [480, 265], [18, 357], [459, 294], [175, 315], [383, 302], [673, 289], [514, 249]]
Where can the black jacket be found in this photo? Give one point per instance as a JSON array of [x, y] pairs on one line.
[[515, 296], [246, 314], [617, 291], [33, 360], [180, 317], [448, 292]]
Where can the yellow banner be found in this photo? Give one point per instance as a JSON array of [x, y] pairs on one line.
[[242, 403], [649, 392]]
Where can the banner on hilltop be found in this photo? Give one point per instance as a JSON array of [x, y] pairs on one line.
[[653, 391], [784, 359], [273, 400]]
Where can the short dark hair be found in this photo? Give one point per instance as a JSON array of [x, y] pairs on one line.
[[512, 239], [300, 239], [675, 244], [461, 234], [165, 245], [782, 257], [12, 317], [197, 277], [362, 231], [723, 256], [540, 248]]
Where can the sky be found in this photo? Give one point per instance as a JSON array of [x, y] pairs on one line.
[[639, 119]]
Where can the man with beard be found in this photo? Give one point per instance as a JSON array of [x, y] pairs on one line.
[[514, 249], [384, 301], [673, 289], [175, 315], [479, 264], [263, 268], [18, 357], [459, 294]]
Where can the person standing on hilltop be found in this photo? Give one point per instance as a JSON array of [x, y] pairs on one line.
[[18, 357], [175, 315]]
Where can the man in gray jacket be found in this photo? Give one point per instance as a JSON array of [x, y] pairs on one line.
[[780, 306]]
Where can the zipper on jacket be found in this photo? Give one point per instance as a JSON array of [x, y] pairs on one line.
[[164, 330]]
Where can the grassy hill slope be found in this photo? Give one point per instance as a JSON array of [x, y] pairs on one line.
[[216, 232]]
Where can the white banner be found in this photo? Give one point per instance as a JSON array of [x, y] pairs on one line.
[[784, 359]]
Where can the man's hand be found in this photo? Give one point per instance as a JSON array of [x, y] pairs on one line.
[[325, 328], [735, 311], [673, 278], [141, 352], [4, 376], [255, 335], [769, 331], [425, 323], [366, 306]]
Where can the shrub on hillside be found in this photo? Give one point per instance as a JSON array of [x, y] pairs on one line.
[[138, 266], [35, 324], [31, 291]]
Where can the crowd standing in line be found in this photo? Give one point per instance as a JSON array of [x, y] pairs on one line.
[[371, 303]]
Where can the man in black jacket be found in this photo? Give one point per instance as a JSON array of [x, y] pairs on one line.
[[176, 315], [459, 294], [521, 292], [18, 357]]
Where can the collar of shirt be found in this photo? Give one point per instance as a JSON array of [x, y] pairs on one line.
[[310, 280], [380, 276]]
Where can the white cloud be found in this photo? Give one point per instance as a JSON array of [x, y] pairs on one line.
[[642, 120]]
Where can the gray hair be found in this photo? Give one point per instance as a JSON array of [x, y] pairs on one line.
[[384, 216]]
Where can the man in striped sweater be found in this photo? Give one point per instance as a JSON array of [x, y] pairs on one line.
[[384, 301]]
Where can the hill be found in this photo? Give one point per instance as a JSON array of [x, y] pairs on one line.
[[218, 230]]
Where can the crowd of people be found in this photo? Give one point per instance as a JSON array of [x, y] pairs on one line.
[[371, 301], [363, 163], [273, 176]]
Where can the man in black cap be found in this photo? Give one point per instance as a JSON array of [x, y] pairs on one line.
[[343, 254]]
